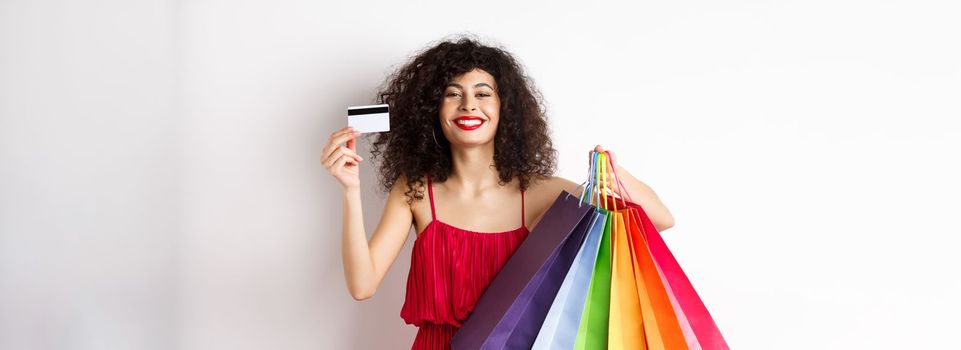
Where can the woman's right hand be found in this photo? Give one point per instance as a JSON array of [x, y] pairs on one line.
[[341, 161]]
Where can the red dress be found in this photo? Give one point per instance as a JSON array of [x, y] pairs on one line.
[[449, 270]]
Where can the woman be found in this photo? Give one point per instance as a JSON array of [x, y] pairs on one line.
[[468, 128]]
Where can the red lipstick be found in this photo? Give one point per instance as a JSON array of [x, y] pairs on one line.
[[472, 122]]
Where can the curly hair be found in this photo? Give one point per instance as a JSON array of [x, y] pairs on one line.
[[522, 143]]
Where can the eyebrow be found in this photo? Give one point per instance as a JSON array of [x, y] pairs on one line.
[[475, 85]]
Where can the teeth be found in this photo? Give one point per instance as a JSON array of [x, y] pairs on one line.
[[469, 122]]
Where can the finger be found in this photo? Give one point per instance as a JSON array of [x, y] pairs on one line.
[[333, 142], [338, 140], [339, 164], [341, 138], [337, 136], [332, 159], [352, 160], [343, 130], [341, 152], [352, 144], [340, 134], [350, 152]]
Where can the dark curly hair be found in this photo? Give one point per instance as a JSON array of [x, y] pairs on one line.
[[522, 144]]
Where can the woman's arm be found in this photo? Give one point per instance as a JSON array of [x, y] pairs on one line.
[[643, 195], [366, 262]]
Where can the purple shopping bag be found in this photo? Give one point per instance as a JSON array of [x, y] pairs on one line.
[[519, 327], [513, 307]]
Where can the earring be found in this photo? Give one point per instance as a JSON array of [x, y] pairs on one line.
[[435, 138]]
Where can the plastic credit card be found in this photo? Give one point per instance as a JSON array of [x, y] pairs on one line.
[[372, 118]]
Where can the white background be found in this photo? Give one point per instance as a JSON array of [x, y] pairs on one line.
[[160, 186]]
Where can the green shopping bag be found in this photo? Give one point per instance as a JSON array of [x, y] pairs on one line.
[[592, 333]]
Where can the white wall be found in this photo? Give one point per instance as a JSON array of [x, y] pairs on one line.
[[160, 184], [89, 175]]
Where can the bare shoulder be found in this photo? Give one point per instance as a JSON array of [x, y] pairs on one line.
[[402, 185], [419, 208], [543, 192], [550, 187], [397, 197], [398, 189]]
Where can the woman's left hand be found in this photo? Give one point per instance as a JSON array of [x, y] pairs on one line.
[[617, 169]]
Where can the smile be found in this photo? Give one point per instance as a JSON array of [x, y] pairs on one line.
[[468, 122]]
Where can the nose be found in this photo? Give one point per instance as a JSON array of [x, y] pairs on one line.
[[467, 105]]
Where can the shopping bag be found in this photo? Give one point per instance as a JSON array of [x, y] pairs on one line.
[[674, 316], [689, 337], [556, 225], [660, 321], [593, 330], [592, 333], [559, 329], [694, 311], [626, 321], [519, 326]]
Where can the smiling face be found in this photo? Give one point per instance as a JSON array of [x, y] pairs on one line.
[[470, 108]]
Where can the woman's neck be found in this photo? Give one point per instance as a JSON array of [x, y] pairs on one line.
[[473, 169]]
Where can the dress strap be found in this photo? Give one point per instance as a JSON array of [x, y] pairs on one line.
[[523, 223], [430, 192]]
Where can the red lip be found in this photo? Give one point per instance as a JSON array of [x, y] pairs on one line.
[[469, 117]]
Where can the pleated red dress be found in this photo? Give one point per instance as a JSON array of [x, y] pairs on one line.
[[450, 268]]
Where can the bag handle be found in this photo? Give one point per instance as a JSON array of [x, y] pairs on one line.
[[605, 186], [596, 185], [617, 180], [588, 191], [593, 189]]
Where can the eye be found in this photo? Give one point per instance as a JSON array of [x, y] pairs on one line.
[[483, 94], [451, 94]]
